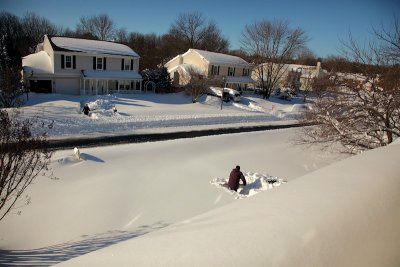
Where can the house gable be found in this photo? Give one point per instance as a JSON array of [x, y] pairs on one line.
[[213, 65]]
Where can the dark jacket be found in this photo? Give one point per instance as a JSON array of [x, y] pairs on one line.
[[234, 178], [86, 110]]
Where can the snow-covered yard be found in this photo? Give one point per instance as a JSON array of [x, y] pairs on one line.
[[143, 113], [163, 203]]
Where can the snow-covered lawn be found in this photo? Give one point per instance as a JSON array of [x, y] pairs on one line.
[[164, 203], [143, 113]]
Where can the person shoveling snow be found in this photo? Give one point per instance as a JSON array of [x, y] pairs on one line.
[[255, 183], [86, 110], [234, 178]]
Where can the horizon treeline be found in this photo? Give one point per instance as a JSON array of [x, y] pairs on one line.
[[20, 35]]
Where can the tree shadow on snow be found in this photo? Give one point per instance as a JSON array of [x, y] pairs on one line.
[[85, 156], [58, 253]]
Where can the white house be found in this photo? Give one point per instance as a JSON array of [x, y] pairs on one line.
[[234, 70], [290, 75], [79, 66]]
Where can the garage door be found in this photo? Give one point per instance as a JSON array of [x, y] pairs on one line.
[[67, 86], [40, 86]]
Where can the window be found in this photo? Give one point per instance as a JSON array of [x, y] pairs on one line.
[[246, 72], [68, 62], [127, 67], [99, 63], [214, 70], [231, 71]]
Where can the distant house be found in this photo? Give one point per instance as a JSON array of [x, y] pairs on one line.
[[291, 75], [232, 70], [81, 67]]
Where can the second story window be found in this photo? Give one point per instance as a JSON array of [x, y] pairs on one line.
[[127, 66], [231, 71], [246, 72], [68, 62], [99, 63], [214, 70]]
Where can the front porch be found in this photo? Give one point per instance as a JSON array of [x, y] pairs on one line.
[[108, 82], [240, 83]]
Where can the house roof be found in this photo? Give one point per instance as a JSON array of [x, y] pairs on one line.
[[39, 63], [188, 68], [218, 58], [90, 46], [112, 74]]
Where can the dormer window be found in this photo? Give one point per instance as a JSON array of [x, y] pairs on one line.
[[246, 72]]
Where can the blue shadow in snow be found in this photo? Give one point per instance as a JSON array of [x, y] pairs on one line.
[[85, 156], [58, 253]]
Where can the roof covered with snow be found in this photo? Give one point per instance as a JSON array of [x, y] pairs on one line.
[[218, 58], [91, 46], [188, 68], [39, 63]]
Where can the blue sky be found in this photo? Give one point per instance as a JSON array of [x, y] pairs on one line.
[[325, 22]]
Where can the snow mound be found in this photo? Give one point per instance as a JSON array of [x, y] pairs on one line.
[[256, 183], [250, 107], [299, 107], [68, 160], [101, 104]]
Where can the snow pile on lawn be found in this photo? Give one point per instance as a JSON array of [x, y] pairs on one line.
[[256, 183]]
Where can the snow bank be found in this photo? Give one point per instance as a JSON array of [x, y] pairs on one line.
[[346, 214]]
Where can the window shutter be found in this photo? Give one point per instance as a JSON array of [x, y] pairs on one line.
[[117, 86], [131, 64], [94, 63], [122, 64], [104, 63], [234, 71], [74, 62], [218, 70], [62, 61]]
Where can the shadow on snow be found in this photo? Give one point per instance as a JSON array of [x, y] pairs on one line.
[[58, 253]]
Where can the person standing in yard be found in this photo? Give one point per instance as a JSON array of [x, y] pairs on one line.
[[86, 110], [235, 177]]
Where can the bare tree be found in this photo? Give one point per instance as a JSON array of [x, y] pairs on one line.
[[271, 44], [361, 111], [23, 156], [197, 84], [391, 39], [101, 26], [191, 30], [35, 27]]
